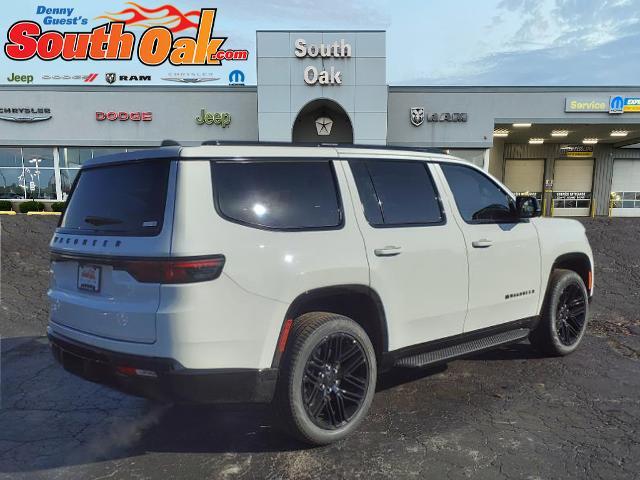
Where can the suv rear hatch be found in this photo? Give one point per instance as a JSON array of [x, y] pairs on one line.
[[117, 219]]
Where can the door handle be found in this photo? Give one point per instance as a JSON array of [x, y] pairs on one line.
[[482, 243], [388, 251]]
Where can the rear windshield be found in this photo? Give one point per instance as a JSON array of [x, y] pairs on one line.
[[127, 199]]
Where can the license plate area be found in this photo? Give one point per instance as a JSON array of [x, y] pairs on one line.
[[89, 277]]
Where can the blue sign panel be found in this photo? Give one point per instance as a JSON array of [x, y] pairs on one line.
[[236, 77], [616, 104]]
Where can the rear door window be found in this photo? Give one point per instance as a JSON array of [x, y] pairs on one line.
[[397, 193], [126, 199], [289, 195]]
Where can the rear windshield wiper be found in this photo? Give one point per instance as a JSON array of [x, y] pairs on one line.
[[98, 221]]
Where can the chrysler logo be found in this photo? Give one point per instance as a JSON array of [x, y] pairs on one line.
[[25, 115], [190, 79], [324, 125]]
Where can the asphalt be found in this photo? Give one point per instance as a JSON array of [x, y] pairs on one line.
[[504, 414]]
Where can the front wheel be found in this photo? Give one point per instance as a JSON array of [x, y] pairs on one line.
[[327, 378], [564, 315]]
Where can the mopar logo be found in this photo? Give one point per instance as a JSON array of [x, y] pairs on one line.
[[236, 77], [616, 104]]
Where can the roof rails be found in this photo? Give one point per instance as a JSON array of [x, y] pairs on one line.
[[334, 145]]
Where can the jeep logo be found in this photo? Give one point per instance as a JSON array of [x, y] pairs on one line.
[[20, 78], [217, 118]]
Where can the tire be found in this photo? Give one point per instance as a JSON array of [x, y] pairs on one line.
[[341, 396], [564, 315]]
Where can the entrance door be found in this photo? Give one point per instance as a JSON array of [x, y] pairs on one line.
[[625, 188], [525, 177], [572, 183]]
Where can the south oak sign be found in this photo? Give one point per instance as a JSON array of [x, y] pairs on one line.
[[311, 74], [111, 41]]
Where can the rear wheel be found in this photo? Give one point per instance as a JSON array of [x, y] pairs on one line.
[[327, 378], [564, 315]]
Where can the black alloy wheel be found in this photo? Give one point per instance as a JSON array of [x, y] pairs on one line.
[[335, 381], [327, 378], [565, 312], [571, 314]]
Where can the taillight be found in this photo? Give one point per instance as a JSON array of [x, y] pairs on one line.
[[156, 270], [175, 270]]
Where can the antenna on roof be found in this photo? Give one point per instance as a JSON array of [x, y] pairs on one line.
[[169, 143]]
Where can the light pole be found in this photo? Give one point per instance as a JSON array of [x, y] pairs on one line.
[[37, 161]]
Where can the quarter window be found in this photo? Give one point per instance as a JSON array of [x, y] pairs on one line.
[[478, 198], [397, 192], [288, 195]]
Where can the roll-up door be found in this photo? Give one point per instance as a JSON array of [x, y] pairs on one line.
[[572, 183], [625, 188], [525, 177]]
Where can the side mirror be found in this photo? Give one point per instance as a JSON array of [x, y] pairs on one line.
[[528, 207]]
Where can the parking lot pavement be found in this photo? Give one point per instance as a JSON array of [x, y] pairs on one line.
[[502, 414]]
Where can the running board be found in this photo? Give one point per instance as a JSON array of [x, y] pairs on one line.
[[454, 351]]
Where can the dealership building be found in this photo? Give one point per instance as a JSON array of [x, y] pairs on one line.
[[572, 147]]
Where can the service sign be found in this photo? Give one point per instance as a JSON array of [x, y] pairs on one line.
[[120, 42], [572, 195], [586, 104], [576, 151]]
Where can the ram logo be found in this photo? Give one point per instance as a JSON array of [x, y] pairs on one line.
[[417, 116]]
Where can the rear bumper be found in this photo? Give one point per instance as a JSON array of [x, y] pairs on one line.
[[171, 382]]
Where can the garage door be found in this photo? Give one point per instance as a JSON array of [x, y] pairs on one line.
[[572, 182], [524, 177], [625, 188]]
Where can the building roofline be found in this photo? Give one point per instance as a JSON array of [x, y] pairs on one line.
[[132, 88], [254, 88], [510, 88]]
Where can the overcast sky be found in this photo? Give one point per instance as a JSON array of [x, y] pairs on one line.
[[445, 42]]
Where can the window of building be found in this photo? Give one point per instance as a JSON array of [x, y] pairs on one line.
[[397, 192], [625, 200], [10, 172], [74, 157], [280, 195], [38, 173], [27, 173], [478, 198]]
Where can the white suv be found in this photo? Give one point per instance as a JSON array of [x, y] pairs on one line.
[[234, 273]]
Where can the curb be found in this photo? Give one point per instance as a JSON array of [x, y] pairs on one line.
[[43, 213], [7, 212]]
